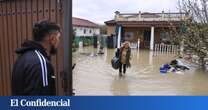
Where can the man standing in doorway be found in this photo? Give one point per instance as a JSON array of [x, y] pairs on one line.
[[33, 73]]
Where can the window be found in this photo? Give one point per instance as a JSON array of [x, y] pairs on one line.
[[75, 29], [129, 36], [164, 37], [84, 31], [147, 36], [90, 31]]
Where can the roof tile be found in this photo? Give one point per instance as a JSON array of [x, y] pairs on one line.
[[83, 23]]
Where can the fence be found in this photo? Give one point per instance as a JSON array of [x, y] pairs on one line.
[[134, 45], [16, 20], [164, 48], [86, 40]]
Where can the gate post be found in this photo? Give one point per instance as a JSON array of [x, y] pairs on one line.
[[68, 47]]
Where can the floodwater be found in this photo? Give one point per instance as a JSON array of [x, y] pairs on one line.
[[93, 75]]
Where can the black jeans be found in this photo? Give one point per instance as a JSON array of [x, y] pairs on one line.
[[124, 68]]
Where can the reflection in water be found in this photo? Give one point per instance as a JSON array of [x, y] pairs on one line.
[[120, 86], [137, 55], [94, 75], [150, 57]]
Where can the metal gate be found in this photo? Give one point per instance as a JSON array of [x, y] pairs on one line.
[[16, 20]]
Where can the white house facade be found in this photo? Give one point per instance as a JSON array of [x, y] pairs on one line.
[[85, 28], [86, 31]]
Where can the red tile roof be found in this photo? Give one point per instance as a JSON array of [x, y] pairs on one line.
[[83, 23]]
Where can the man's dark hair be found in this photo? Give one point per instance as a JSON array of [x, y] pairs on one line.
[[43, 28]]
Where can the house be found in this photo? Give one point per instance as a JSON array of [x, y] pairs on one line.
[[149, 28], [84, 30]]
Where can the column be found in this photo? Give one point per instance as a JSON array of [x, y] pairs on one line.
[[152, 38], [119, 38]]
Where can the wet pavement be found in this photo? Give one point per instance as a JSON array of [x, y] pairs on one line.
[[93, 75]]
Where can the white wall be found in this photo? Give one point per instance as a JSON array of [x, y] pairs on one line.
[[80, 31]]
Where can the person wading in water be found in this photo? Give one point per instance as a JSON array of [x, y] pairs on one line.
[[124, 57]]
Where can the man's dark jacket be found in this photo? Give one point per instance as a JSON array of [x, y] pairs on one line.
[[33, 74]]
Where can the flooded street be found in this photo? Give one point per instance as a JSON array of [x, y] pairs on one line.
[[93, 75]]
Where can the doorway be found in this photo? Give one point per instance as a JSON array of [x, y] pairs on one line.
[[147, 37]]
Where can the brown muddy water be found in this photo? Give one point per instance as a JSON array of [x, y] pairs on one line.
[[93, 75]]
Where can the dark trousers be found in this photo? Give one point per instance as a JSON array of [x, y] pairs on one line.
[[124, 68]]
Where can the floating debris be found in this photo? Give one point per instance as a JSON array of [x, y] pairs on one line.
[[175, 66]]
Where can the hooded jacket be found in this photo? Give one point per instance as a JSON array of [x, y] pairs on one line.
[[33, 74]]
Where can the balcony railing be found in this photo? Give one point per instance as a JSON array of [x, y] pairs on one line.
[[151, 17]]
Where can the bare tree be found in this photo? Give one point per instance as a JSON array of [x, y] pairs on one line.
[[194, 31]]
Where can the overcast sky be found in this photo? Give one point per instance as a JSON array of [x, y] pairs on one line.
[[99, 11]]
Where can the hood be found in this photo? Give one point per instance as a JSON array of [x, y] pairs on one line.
[[29, 46]]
